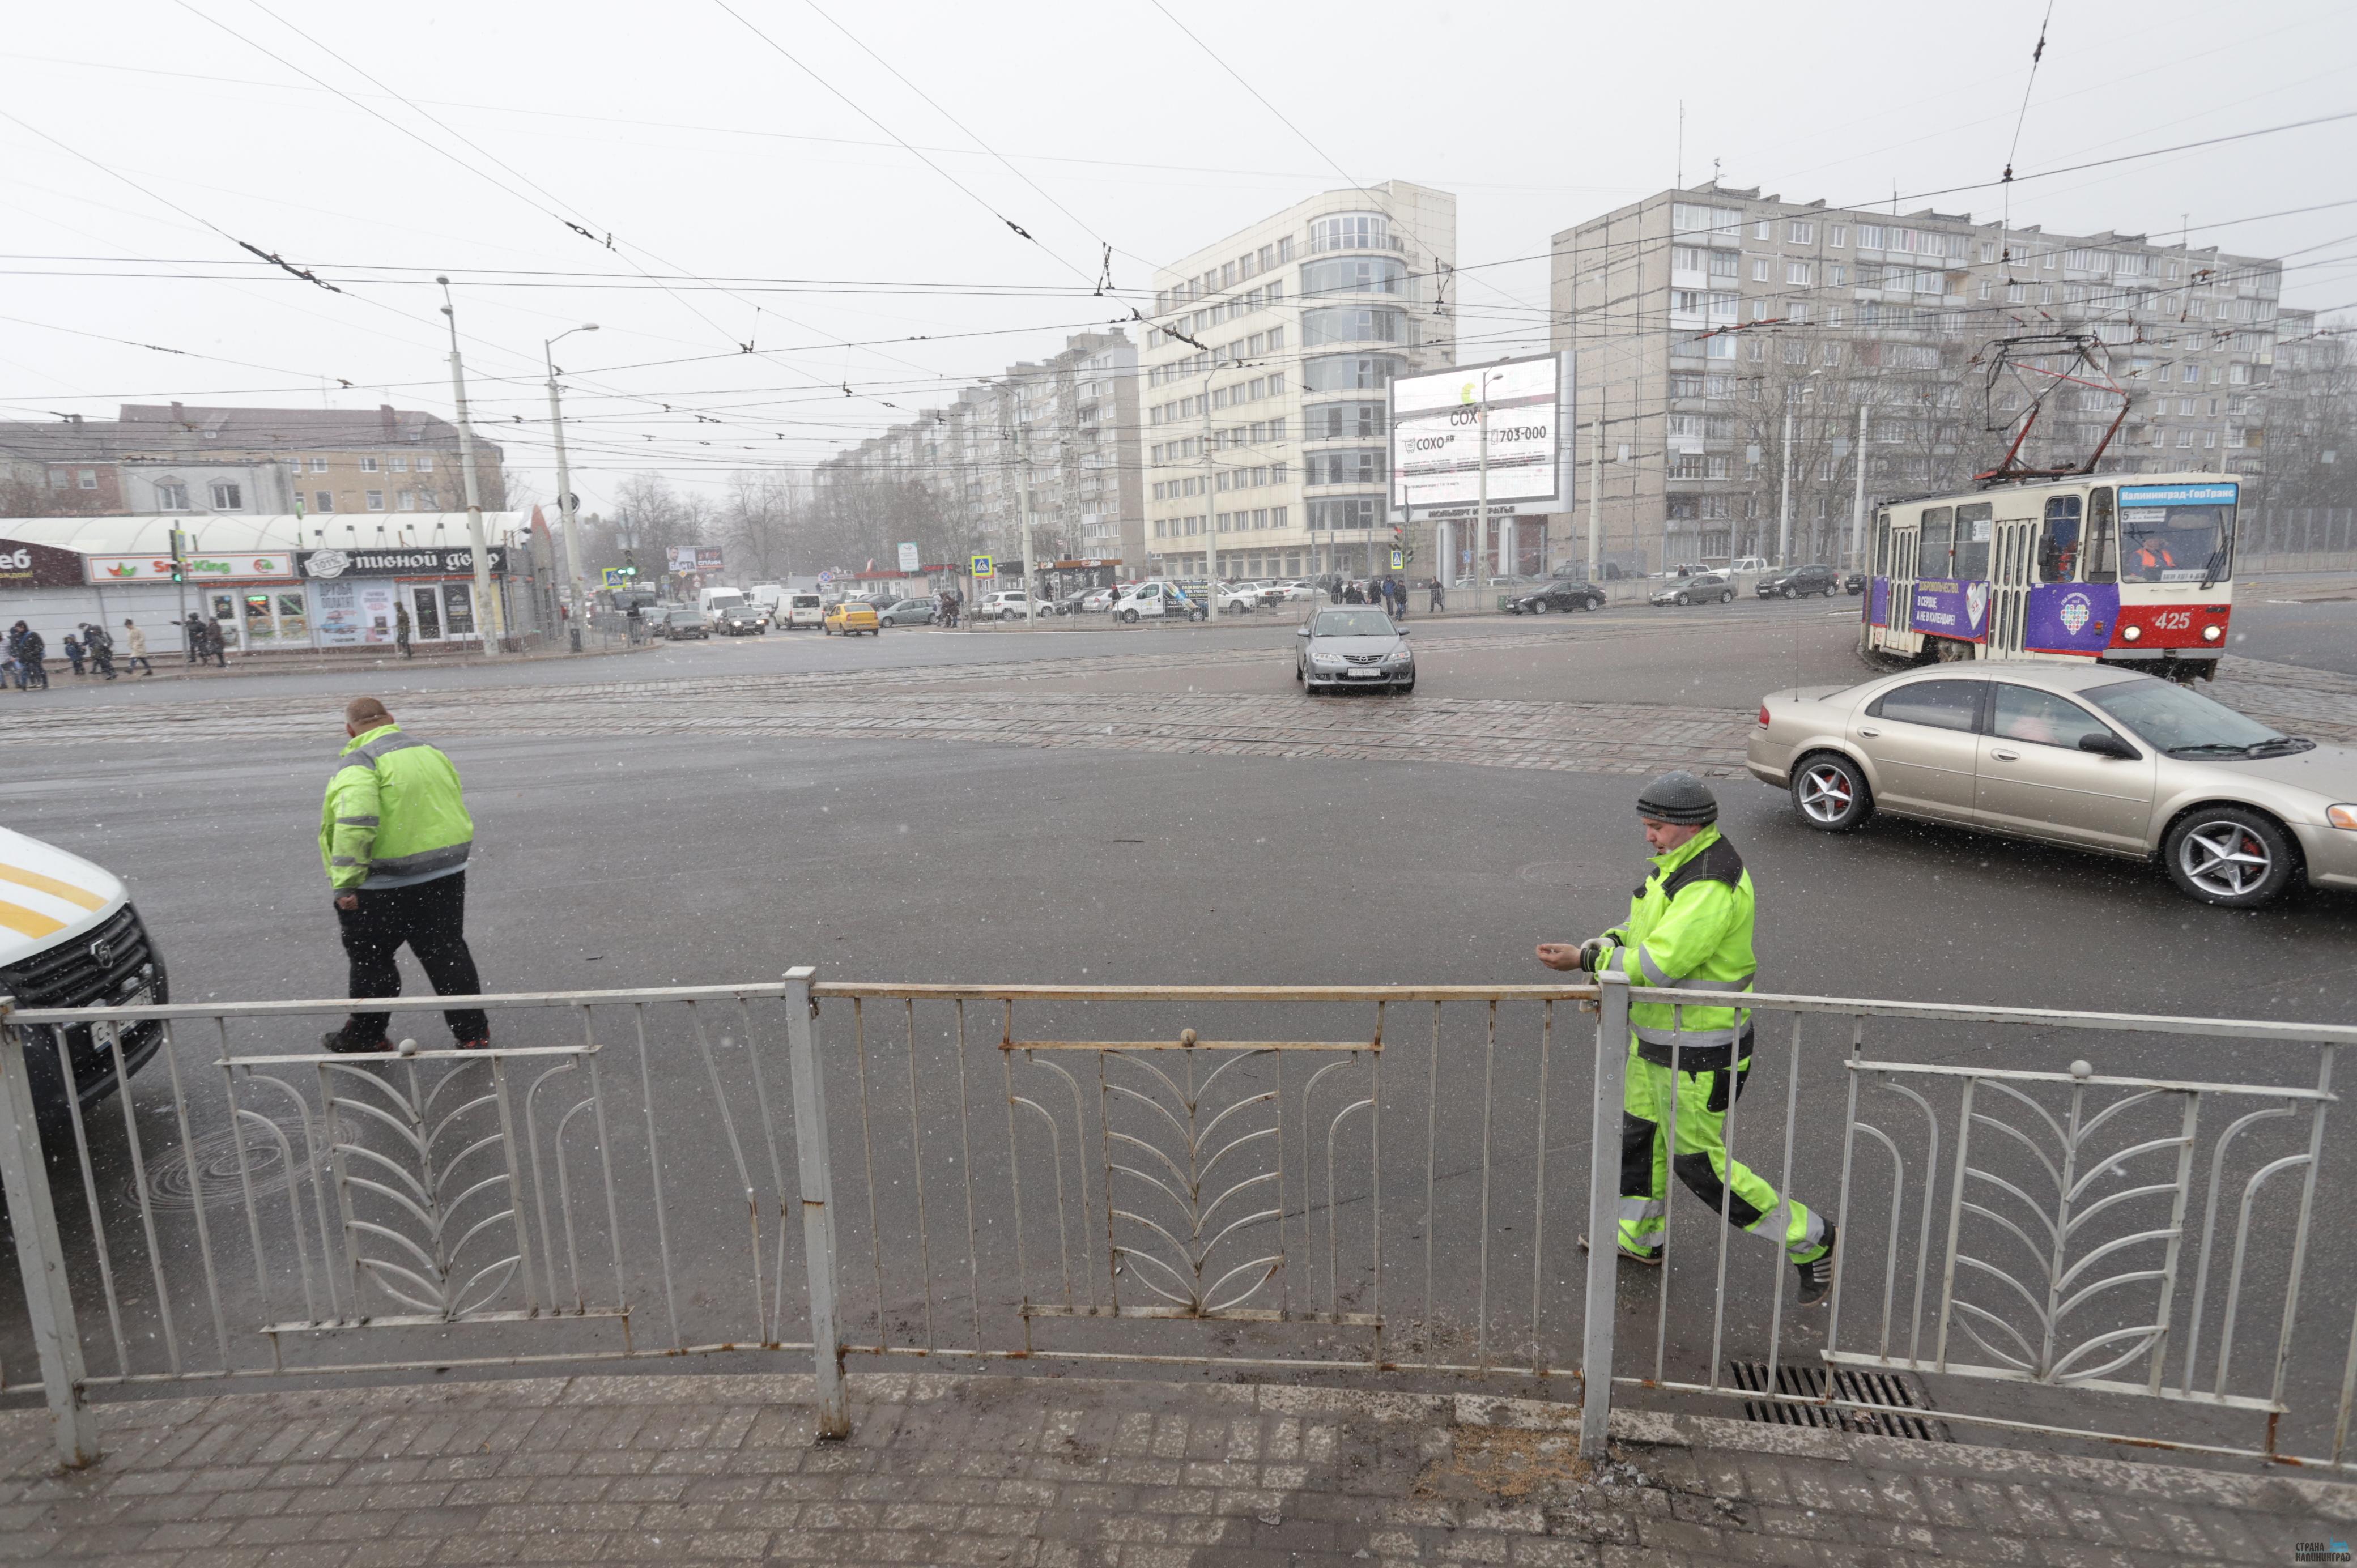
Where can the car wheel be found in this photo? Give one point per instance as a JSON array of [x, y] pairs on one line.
[[2232, 856], [1199, 614], [1831, 793], [826, 631], [1684, 600], [1728, 598], [1829, 590], [1300, 676], [1539, 606], [1129, 618], [1790, 592]]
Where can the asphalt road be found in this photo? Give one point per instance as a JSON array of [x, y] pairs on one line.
[[616, 860]]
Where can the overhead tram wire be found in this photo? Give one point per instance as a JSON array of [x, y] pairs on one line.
[[579, 228]]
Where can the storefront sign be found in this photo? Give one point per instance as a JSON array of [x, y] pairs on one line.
[[38, 566], [350, 613], [455, 561], [202, 567]]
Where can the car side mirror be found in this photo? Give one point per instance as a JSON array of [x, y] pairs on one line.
[[1301, 632], [2103, 743], [1404, 631]]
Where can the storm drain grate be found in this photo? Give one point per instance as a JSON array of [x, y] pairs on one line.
[[1898, 1406]]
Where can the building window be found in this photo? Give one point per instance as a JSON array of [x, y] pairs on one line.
[[1832, 354], [1759, 269], [1837, 274], [409, 500], [368, 465], [172, 495], [1348, 325], [323, 500], [1763, 229], [376, 501], [425, 462], [87, 479], [1800, 233], [1799, 272], [1353, 275], [1345, 372], [1837, 235], [227, 496], [400, 462], [1352, 231], [319, 465]]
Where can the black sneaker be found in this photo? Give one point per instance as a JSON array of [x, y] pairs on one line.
[[1818, 1274], [343, 1045], [1651, 1258]]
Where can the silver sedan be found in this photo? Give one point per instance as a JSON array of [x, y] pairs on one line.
[[1353, 647], [2095, 757]]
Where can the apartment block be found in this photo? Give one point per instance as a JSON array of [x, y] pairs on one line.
[[1702, 316], [1051, 445], [1264, 380]]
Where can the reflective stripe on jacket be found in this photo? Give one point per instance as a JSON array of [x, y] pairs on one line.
[[393, 809], [1688, 930]]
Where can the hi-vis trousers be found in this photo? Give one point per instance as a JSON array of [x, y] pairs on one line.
[[1702, 1162]]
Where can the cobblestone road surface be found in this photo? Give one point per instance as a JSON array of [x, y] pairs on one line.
[[1052, 1473], [948, 702]]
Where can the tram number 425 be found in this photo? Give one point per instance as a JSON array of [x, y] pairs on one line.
[[2174, 620]]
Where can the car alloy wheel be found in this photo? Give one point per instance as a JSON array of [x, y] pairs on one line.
[[1728, 598], [1790, 592], [1684, 600], [1831, 795], [2230, 856]]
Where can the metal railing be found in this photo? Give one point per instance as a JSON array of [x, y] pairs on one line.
[[1286, 1180]]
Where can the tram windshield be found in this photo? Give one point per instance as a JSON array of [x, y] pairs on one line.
[[2176, 533]]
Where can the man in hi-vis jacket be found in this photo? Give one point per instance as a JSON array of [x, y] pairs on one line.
[[1688, 939], [395, 836]]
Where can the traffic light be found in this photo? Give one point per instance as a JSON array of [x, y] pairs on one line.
[[178, 564]]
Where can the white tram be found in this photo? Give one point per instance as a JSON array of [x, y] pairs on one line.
[[2135, 570]]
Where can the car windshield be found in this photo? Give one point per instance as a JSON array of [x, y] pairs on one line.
[[1353, 623], [2185, 723]]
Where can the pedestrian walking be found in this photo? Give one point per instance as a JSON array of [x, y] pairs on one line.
[[1439, 598], [1334, 589], [71, 646], [401, 630], [395, 836], [216, 644], [1688, 933], [193, 639], [26, 651], [99, 648], [137, 641]]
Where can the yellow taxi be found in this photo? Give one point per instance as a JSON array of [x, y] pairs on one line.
[[850, 618]]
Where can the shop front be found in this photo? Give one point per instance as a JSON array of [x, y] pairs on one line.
[[359, 596], [252, 597]]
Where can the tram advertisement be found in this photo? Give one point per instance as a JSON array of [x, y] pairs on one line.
[[1952, 607], [2070, 617]]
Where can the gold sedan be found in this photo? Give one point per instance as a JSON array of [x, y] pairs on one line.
[[850, 618], [2091, 756]]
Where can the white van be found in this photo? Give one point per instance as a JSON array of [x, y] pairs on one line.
[[71, 938], [1155, 601], [712, 601], [800, 612]]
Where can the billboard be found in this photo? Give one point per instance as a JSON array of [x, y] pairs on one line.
[[1437, 433]]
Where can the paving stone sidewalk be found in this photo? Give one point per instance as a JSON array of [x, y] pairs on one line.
[[1051, 1472]]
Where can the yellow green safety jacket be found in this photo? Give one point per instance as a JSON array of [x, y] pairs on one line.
[[1688, 934], [394, 813]]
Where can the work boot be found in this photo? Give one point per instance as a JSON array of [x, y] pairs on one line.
[[1817, 1274], [343, 1044], [1650, 1257]]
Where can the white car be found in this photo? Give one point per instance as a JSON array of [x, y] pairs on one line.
[[1156, 601], [1101, 601], [73, 939], [1296, 593], [1237, 597], [1011, 605]]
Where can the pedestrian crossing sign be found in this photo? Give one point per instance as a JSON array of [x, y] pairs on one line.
[[982, 566], [1399, 560]]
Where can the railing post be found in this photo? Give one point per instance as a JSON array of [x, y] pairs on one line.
[[817, 1180], [40, 1255], [1603, 1218]]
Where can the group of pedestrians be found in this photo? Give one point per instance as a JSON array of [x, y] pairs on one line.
[[203, 640], [1388, 592]]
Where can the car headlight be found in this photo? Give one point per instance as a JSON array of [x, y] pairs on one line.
[[1397, 656], [2341, 817], [1325, 659]]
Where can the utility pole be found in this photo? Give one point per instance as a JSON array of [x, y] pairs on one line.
[[564, 506], [1785, 496], [1595, 493], [1857, 503], [1023, 514], [1210, 511], [484, 625]]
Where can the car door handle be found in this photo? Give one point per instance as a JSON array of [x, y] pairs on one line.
[[1870, 734], [2005, 756]]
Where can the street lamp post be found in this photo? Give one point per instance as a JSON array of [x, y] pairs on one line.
[[1481, 522], [564, 506], [484, 617]]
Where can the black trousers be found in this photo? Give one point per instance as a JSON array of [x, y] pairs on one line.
[[430, 918]]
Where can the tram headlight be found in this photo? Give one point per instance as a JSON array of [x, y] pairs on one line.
[[2212, 632], [2131, 634]]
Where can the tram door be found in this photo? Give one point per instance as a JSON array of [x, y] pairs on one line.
[[2011, 560]]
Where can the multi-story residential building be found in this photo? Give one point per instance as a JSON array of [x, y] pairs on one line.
[[1264, 383], [1702, 316], [173, 459], [1051, 445], [384, 460]]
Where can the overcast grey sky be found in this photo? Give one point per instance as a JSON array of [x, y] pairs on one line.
[[748, 202]]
